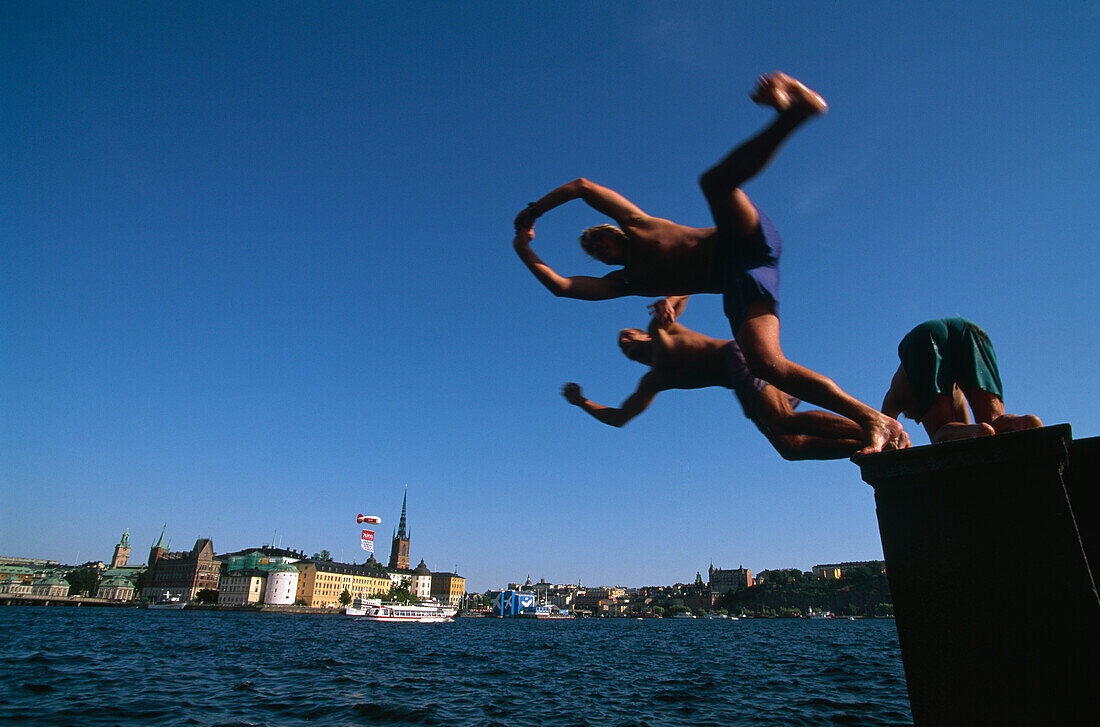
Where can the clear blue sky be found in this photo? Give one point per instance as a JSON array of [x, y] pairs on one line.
[[257, 270]]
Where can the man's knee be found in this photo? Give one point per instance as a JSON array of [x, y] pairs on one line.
[[769, 367], [789, 446], [713, 185]]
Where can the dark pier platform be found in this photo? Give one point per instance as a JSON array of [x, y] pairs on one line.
[[987, 544]]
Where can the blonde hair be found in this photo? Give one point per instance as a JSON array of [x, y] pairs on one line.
[[591, 232]]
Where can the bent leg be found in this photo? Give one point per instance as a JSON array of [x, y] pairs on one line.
[[804, 435], [721, 183], [987, 406], [943, 413], [758, 337]]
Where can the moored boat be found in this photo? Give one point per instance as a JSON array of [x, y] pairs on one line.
[[375, 610], [545, 611], [168, 601]]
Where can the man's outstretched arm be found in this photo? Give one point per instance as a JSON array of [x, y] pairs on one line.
[[600, 198], [634, 405], [582, 287]]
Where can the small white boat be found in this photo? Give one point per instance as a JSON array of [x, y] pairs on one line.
[[425, 613], [168, 601], [545, 611]]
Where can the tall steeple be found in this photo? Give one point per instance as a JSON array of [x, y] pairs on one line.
[[401, 525], [399, 551], [158, 548]]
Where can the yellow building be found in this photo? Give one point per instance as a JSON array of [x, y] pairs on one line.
[[448, 588], [321, 583]]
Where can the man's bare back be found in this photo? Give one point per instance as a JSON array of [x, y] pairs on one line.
[[687, 359], [665, 258]]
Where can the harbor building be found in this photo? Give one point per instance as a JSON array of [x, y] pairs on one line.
[[120, 578], [725, 580], [282, 585], [115, 588], [53, 586], [242, 587], [181, 574], [259, 576], [448, 588], [421, 584], [836, 571], [320, 584]]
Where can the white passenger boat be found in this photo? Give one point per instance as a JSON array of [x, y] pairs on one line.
[[425, 613]]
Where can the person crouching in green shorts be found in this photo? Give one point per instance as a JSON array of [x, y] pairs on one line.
[[946, 364]]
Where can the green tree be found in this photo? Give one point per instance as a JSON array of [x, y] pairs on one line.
[[400, 594], [345, 598], [82, 581], [207, 595], [324, 555]]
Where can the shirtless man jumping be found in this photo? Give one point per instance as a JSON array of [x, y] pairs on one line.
[[680, 358], [738, 258]]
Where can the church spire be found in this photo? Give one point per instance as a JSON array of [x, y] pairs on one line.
[[401, 525], [399, 552]]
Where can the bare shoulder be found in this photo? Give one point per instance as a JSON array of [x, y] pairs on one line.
[[655, 380]]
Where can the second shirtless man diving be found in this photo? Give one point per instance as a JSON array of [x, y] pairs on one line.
[[738, 257]]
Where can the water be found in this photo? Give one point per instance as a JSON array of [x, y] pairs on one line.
[[88, 667]]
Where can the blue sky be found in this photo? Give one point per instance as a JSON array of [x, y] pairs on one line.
[[256, 270]]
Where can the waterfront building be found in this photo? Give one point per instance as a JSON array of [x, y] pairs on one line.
[[400, 578], [181, 574], [241, 587], [262, 558], [836, 571], [37, 563], [21, 573], [734, 579], [448, 588], [50, 586], [399, 550], [510, 603], [115, 588], [282, 585], [15, 586], [320, 584], [421, 583], [120, 568]]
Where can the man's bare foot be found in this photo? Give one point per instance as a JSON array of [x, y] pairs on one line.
[[879, 432], [1015, 423], [956, 430], [787, 95]]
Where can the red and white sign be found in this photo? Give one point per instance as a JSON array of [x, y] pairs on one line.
[[368, 541]]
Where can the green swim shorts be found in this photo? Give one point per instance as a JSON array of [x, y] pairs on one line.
[[938, 354]]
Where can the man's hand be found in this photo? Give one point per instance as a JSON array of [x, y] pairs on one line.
[[572, 393], [525, 220], [662, 311], [523, 239]]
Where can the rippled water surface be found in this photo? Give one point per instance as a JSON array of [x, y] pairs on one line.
[[85, 666]]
